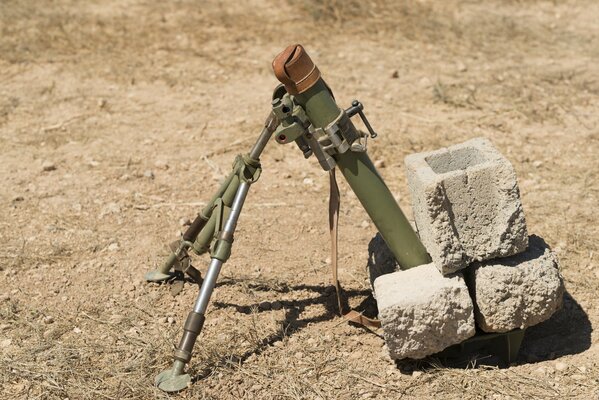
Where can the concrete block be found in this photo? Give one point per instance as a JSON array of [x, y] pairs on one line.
[[518, 291], [423, 312], [466, 204]]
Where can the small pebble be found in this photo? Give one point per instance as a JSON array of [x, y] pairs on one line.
[[380, 163], [308, 181], [48, 319], [149, 174], [76, 330], [425, 82], [460, 66], [184, 222], [365, 224], [256, 387], [170, 320], [416, 374], [395, 74], [561, 366], [161, 164], [110, 208], [48, 166]]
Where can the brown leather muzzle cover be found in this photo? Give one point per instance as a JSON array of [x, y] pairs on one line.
[[295, 69]]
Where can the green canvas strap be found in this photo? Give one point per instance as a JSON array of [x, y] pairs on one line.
[[334, 205]]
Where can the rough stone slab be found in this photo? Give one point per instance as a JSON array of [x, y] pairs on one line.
[[518, 291], [466, 204], [423, 312]]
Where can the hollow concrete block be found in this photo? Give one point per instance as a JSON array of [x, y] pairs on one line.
[[423, 312], [466, 204], [518, 291]]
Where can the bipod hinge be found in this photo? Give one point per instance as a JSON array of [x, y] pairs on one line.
[[183, 261], [248, 169]]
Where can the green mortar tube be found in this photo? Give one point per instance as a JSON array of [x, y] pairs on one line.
[[367, 184]]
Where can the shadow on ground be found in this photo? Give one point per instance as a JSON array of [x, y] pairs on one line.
[[568, 331], [293, 309]]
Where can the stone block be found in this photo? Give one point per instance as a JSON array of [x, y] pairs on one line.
[[466, 204], [423, 312], [518, 291]]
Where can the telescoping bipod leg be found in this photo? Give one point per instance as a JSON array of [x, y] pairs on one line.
[[219, 225]]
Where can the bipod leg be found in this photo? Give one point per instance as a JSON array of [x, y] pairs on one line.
[[175, 378], [179, 253], [179, 257]]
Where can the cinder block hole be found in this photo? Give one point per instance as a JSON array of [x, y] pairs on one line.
[[455, 160]]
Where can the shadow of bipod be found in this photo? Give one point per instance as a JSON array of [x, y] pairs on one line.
[[291, 323]]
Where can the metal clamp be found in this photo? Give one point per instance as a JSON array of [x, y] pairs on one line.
[[358, 108]]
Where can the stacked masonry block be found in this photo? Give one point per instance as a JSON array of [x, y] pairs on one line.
[[485, 270], [422, 311], [466, 204]]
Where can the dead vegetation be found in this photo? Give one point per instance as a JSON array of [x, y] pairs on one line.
[[139, 105]]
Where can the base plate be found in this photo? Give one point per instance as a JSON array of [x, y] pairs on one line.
[[505, 346], [157, 276], [171, 381]]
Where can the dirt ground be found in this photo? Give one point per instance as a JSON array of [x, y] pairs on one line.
[[119, 118]]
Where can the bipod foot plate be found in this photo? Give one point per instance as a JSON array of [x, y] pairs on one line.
[[173, 380], [157, 276]]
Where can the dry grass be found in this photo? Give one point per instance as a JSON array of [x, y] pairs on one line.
[[106, 89]]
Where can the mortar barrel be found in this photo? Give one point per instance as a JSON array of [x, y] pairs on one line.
[[294, 68]]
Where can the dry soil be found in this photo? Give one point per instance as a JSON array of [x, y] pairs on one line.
[[119, 118]]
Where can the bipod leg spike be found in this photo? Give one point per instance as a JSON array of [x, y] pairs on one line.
[[178, 258], [164, 272]]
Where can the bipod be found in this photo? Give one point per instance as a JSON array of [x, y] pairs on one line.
[[215, 224]]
